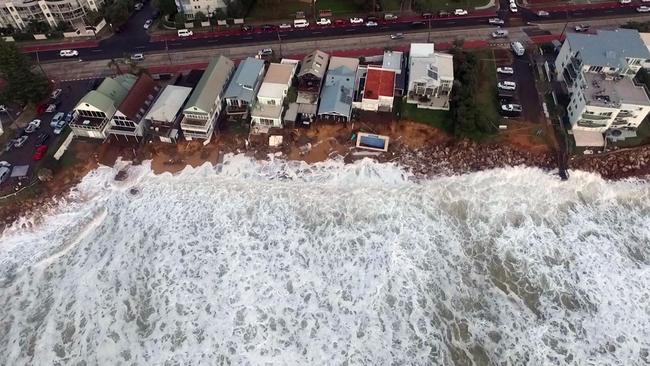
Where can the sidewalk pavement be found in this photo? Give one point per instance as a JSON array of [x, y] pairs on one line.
[[60, 46]]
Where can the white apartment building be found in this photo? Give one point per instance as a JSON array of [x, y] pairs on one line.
[[268, 109], [431, 77], [18, 13], [598, 71], [191, 7]]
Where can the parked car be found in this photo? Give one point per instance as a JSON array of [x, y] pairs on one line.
[[507, 85], [543, 13], [68, 53], [496, 21], [20, 141], [40, 152], [500, 33], [582, 27], [443, 13], [518, 48], [268, 27], [285, 26], [459, 12], [60, 126], [300, 23], [57, 117], [137, 57], [356, 20], [324, 21], [339, 22], [623, 2], [147, 24], [371, 24], [55, 94], [418, 24], [513, 8], [643, 9], [397, 36], [184, 33], [506, 70], [390, 16], [40, 139], [265, 52], [3, 108], [53, 106], [5, 172], [246, 28], [371, 19], [511, 108], [68, 117], [138, 6], [33, 126], [427, 15]]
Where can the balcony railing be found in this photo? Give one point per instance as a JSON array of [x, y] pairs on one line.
[[236, 109], [592, 124]]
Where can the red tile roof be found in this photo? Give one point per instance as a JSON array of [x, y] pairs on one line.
[[379, 83], [142, 90]]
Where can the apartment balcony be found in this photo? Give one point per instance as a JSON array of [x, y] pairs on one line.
[[236, 109], [595, 117], [196, 125], [89, 123], [591, 124]]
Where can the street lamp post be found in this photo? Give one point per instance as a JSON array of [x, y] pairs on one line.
[[279, 41], [167, 51]]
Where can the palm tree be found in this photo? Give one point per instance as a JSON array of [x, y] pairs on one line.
[[115, 63]]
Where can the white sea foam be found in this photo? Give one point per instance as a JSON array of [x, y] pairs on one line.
[[285, 263]]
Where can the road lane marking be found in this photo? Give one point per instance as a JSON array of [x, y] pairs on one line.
[[97, 50]]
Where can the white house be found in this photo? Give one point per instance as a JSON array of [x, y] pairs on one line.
[[268, 109], [598, 71], [191, 7], [431, 77], [19, 13]]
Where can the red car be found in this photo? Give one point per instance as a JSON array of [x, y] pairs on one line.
[[40, 152]]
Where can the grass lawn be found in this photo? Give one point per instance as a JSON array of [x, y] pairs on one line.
[[486, 95], [435, 118], [432, 5], [287, 9]]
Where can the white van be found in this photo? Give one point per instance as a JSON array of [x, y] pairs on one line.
[[300, 23], [185, 33], [518, 48], [500, 33]]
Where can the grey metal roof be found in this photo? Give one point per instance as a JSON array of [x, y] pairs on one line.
[[336, 97], [243, 83], [314, 63], [608, 47], [212, 83]]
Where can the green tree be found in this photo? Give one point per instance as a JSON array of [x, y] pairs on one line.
[[166, 7], [117, 13], [199, 16], [37, 26], [93, 17], [23, 85]]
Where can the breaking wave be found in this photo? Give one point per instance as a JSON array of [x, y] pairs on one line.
[[284, 263]]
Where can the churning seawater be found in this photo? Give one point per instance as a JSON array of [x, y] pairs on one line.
[[278, 263]]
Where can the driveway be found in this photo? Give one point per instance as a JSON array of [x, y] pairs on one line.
[[527, 91], [72, 92]]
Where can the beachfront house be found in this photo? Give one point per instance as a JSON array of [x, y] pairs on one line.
[[310, 82], [164, 115], [267, 111], [431, 77], [378, 94], [204, 106], [128, 120], [93, 113], [338, 89], [394, 60], [243, 87], [598, 72]]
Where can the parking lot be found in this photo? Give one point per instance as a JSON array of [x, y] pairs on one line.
[[71, 93], [526, 93]]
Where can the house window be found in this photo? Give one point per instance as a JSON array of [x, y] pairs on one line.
[[266, 122]]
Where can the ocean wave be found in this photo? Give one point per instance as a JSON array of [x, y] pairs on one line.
[[288, 263]]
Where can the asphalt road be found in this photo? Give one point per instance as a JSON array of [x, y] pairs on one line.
[[134, 39], [72, 92]]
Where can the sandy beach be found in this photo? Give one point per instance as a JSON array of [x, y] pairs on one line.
[[424, 150]]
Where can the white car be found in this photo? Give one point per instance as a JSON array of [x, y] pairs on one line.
[[5, 171], [60, 126], [459, 12], [265, 52], [371, 24], [284, 26], [324, 21], [68, 53], [513, 8], [511, 107], [643, 9], [506, 70], [147, 24], [55, 94], [137, 57], [20, 141], [543, 13], [356, 20], [507, 85], [625, 1], [582, 27], [496, 21], [33, 126], [56, 119], [138, 6], [500, 33]]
